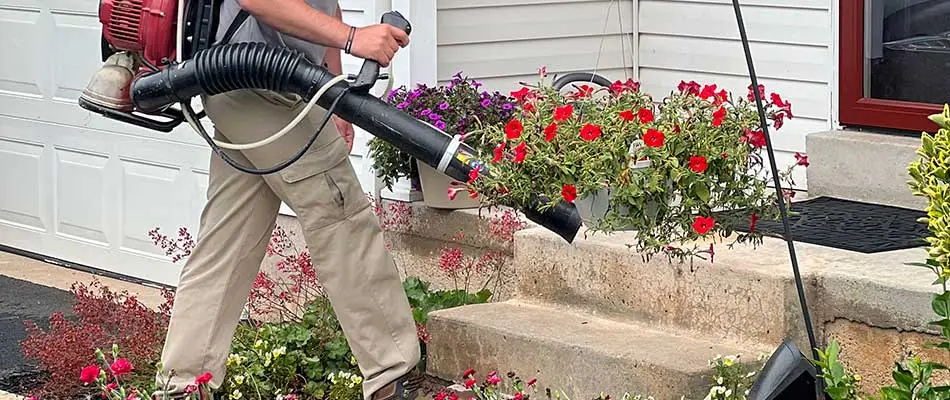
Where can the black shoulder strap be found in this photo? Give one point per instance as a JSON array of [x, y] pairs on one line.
[[232, 29]]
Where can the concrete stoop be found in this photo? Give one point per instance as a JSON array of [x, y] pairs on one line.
[[592, 316], [580, 354]]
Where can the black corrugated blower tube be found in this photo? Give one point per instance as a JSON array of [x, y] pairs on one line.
[[260, 66]]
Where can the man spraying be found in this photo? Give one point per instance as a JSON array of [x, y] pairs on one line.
[[339, 226]]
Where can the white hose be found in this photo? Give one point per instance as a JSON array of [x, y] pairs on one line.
[[178, 32], [270, 139]]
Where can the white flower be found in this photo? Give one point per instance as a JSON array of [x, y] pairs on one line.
[[719, 380], [258, 344], [279, 351], [236, 394], [239, 379]]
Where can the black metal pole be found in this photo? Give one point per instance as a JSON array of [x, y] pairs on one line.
[[778, 186]]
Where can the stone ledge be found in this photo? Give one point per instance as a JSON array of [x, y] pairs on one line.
[[747, 294], [862, 166]]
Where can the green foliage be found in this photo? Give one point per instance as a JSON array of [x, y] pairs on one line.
[[839, 385], [423, 300], [277, 359]]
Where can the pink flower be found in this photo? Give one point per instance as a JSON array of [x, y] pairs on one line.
[[203, 379], [190, 389], [89, 374], [801, 159], [121, 367], [493, 378]]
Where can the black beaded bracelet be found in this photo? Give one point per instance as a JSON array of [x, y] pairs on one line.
[[349, 40]]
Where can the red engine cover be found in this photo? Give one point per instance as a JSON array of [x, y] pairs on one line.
[[148, 27]]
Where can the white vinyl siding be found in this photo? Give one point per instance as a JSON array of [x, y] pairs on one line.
[[791, 43], [502, 43]]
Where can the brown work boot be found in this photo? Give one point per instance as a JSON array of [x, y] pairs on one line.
[[404, 388]]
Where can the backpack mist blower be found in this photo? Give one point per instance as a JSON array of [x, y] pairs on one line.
[[159, 54]]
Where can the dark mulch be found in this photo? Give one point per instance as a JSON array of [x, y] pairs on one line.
[[21, 301]]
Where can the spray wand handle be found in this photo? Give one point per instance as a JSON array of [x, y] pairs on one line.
[[369, 73]]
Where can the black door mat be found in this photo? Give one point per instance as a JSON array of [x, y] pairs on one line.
[[849, 225]]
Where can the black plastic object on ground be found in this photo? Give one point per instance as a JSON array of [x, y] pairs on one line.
[[787, 375], [260, 66]]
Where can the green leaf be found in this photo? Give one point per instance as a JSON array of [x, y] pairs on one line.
[[941, 304], [702, 191]]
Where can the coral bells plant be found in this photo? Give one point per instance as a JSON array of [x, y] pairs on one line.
[[669, 169], [460, 107], [103, 317]]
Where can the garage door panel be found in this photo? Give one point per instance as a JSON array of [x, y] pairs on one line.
[[74, 60], [21, 166], [80, 194], [153, 195], [19, 43]]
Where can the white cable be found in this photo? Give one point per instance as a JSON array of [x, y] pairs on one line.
[[293, 123], [268, 140]]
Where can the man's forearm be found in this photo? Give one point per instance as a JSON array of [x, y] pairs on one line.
[[298, 19], [333, 57]]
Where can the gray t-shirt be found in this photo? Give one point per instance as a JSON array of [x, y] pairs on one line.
[[253, 31]]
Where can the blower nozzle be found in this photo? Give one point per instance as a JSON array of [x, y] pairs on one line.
[[260, 66]]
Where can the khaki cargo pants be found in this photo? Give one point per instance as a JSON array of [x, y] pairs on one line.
[[341, 231]]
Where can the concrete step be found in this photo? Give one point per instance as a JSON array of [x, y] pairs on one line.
[[580, 354], [746, 294]]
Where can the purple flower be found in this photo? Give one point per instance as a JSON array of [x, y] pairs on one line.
[[507, 106], [440, 125], [425, 112], [434, 117], [444, 106], [486, 102], [415, 94], [402, 105], [476, 84]]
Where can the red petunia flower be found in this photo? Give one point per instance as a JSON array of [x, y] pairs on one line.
[[702, 225], [708, 92], [111, 386], [626, 115], [89, 374], [754, 138], [529, 107], [569, 192], [564, 112], [470, 383], [468, 373], [203, 379], [779, 120], [590, 132], [654, 138], [751, 95], [584, 91], [472, 175], [532, 381], [190, 389], [646, 115], [454, 191], [692, 87], [499, 152], [550, 131], [718, 116], [121, 367], [801, 159], [513, 129], [698, 164], [493, 378], [521, 151], [520, 94]]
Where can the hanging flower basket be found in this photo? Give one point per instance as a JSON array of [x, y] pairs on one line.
[[660, 169]]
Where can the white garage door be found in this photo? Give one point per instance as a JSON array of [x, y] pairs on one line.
[[79, 187]]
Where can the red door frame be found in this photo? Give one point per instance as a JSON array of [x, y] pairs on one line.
[[855, 108]]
